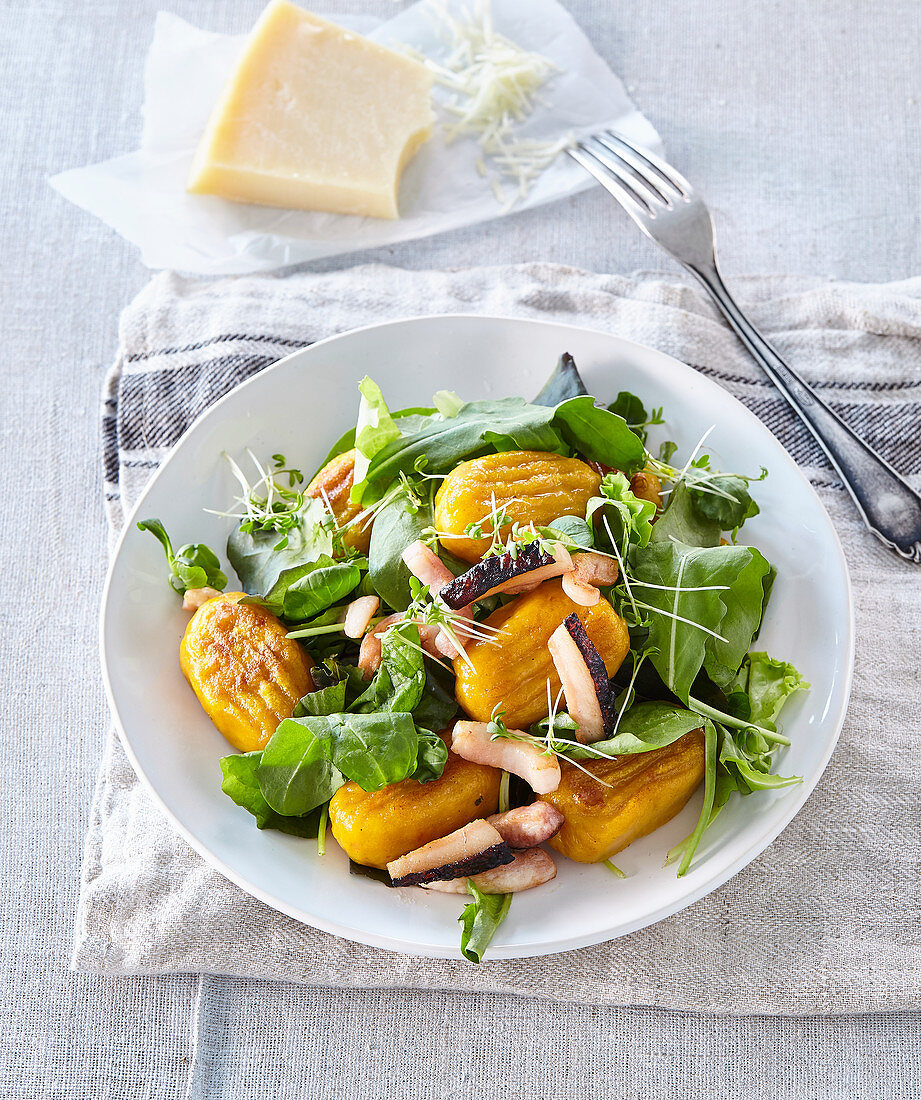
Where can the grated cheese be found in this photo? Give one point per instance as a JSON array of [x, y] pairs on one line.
[[495, 86]]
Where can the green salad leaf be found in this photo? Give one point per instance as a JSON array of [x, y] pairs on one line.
[[399, 683], [724, 499], [308, 759], [303, 591], [259, 564], [573, 531], [565, 382], [682, 521], [297, 773], [704, 611], [767, 684], [191, 566], [478, 428], [480, 920], [599, 434], [396, 525], [241, 785], [438, 706], [374, 430], [643, 727], [629, 516]]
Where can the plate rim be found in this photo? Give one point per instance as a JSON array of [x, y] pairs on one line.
[[499, 952]]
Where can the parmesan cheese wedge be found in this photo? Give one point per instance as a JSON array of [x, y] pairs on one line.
[[314, 117]]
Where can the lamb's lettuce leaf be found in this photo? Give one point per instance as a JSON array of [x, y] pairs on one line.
[[191, 566]]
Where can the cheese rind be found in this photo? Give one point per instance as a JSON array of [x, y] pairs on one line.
[[314, 117]]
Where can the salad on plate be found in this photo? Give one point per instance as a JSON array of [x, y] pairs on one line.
[[486, 635]]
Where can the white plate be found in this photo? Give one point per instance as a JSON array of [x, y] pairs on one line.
[[299, 407]]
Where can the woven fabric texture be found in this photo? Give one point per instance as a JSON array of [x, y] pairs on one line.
[[824, 921]]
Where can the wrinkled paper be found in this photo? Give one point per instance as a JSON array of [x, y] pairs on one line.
[[142, 195]]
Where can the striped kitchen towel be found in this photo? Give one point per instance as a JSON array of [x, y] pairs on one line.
[[825, 920]]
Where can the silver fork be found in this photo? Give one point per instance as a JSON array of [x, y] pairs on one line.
[[663, 204]]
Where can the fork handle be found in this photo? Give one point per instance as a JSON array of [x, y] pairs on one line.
[[890, 508]]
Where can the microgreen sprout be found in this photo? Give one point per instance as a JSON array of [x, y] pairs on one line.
[[268, 504], [404, 487]]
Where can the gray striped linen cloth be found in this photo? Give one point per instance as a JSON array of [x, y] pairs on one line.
[[827, 919]]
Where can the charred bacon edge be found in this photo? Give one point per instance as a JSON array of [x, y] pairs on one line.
[[595, 664], [475, 848], [480, 579]]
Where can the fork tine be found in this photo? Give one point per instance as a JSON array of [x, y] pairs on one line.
[[647, 163], [625, 195], [653, 197]]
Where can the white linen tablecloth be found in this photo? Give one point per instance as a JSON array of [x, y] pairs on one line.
[[826, 920], [787, 116]]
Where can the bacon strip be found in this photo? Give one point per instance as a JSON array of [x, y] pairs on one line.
[[472, 741]]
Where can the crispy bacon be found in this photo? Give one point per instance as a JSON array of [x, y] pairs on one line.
[[527, 826], [359, 614], [468, 851], [530, 868], [506, 573], [581, 670], [472, 741], [589, 572]]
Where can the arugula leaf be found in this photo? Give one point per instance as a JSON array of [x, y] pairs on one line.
[[767, 684], [565, 382], [480, 919], [240, 784], [258, 564], [396, 525], [191, 566], [374, 430], [629, 516], [642, 728], [599, 434], [714, 623], [305, 590], [308, 759], [717, 506], [682, 521], [480, 426], [399, 683]]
